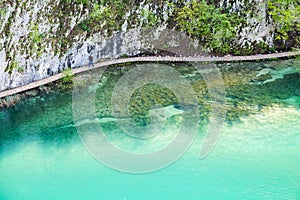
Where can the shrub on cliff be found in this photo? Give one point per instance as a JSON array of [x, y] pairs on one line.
[[286, 17], [214, 28]]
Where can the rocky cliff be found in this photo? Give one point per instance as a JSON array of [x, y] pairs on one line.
[[39, 38]]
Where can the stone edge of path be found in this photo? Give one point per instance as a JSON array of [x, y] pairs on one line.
[[56, 77]]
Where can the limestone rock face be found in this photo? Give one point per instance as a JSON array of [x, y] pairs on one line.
[[33, 35], [258, 26]]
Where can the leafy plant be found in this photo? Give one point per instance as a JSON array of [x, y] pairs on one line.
[[84, 27], [152, 18], [35, 35], [84, 2], [102, 18], [2, 13], [214, 28], [68, 75], [285, 15], [20, 69], [11, 65]]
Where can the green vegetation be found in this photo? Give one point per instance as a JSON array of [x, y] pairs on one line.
[[215, 29], [286, 16], [102, 18], [12, 65], [67, 82], [35, 35], [84, 2], [151, 17], [2, 12], [84, 26], [36, 41], [20, 69], [68, 75]]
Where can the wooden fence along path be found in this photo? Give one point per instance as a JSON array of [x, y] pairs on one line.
[[146, 59]]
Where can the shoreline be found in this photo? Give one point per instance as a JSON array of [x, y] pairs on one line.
[[82, 69]]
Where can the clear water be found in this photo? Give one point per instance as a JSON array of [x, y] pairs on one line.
[[42, 157]]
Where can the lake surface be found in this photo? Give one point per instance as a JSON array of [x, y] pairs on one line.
[[257, 156]]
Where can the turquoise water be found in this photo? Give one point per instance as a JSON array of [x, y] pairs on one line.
[[257, 156]]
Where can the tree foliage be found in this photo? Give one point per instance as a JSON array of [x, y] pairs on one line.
[[286, 16], [212, 26]]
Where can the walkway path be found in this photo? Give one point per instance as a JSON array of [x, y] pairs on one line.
[[146, 59]]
